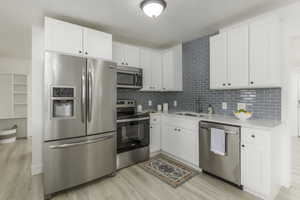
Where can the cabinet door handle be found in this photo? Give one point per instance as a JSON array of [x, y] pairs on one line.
[[224, 84], [251, 82], [253, 136], [243, 145], [122, 63], [229, 84], [80, 51], [86, 53]]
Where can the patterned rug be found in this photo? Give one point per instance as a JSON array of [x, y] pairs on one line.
[[168, 170]]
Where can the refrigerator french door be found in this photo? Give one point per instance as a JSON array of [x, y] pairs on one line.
[[80, 121]]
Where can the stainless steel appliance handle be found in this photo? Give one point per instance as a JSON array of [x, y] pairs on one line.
[[128, 86], [135, 79], [132, 120], [61, 146], [83, 95], [226, 131], [90, 95], [127, 72]]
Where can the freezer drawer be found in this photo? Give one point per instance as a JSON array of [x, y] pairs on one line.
[[69, 163]]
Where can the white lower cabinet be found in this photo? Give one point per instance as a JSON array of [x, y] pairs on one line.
[[170, 140], [180, 141], [188, 143], [155, 133], [256, 162]]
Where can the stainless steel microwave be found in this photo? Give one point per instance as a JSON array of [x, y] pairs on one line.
[[129, 77]]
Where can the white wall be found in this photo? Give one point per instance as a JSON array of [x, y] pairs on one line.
[[37, 96], [290, 16], [20, 66], [15, 65]]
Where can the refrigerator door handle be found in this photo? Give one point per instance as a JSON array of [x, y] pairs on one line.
[[90, 95], [83, 95], [61, 146]]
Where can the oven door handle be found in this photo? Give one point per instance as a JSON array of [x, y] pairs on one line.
[[133, 120]]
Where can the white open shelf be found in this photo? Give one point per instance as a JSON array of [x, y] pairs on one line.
[[13, 101]]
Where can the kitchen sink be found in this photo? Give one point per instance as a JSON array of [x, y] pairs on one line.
[[191, 114]]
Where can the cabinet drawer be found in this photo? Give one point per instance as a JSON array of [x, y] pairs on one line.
[[181, 123], [254, 136]]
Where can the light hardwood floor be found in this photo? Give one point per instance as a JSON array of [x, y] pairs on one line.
[[293, 193], [15, 173], [132, 183]]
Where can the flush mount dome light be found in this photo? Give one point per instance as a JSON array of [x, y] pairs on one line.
[[153, 8]]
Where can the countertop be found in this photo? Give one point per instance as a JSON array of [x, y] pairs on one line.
[[225, 119]]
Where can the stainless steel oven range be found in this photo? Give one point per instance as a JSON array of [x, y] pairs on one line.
[[132, 134]]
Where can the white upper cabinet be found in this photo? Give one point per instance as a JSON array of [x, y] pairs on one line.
[[63, 37], [246, 55], [97, 44], [126, 55], [145, 60], [156, 66], [118, 53], [151, 62], [238, 57], [162, 69], [172, 69], [71, 39], [218, 61], [264, 53], [132, 55]]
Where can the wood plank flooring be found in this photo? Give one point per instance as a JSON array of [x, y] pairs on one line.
[[15, 172], [132, 183], [293, 193]]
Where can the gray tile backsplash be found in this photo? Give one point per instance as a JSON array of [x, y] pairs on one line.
[[265, 103]]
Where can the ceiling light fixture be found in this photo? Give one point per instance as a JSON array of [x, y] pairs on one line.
[[153, 8]]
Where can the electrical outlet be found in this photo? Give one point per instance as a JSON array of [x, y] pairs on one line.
[[224, 106], [175, 103], [149, 103], [241, 106]]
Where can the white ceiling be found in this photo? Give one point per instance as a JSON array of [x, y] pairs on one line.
[[183, 20]]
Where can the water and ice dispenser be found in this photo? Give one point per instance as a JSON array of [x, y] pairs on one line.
[[62, 102]]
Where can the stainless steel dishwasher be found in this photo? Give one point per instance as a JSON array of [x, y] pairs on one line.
[[228, 166]]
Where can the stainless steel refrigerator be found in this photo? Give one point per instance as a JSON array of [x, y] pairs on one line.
[[80, 121]]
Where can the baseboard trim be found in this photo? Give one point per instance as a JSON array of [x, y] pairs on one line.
[[36, 169]]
